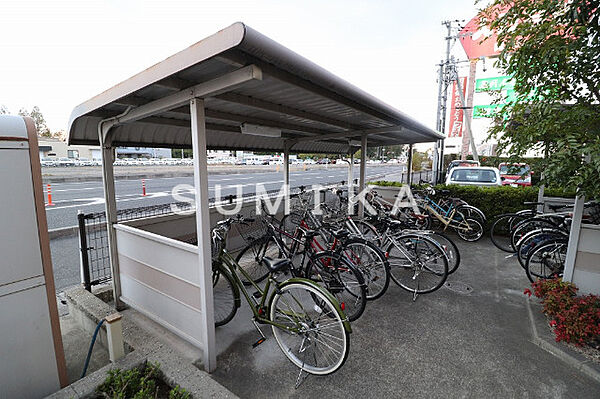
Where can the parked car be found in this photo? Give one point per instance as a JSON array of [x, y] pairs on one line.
[[324, 161], [474, 176], [48, 162], [65, 162], [515, 174], [83, 162], [465, 163], [309, 161]]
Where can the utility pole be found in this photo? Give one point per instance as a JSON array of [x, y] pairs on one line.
[[443, 83], [448, 74]]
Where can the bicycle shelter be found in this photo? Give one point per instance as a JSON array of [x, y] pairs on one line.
[[234, 90]]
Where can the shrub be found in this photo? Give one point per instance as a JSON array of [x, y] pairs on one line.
[[574, 319], [138, 383], [492, 201]]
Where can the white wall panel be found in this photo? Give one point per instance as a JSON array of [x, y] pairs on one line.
[[19, 243], [172, 314], [27, 359]]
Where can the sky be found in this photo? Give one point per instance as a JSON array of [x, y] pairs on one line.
[[57, 54]]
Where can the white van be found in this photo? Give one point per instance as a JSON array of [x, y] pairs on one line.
[[474, 176]]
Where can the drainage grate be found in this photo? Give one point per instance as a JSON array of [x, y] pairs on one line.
[[458, 287]]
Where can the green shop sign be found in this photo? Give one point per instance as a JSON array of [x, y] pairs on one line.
[[500, 83], [494, 84]]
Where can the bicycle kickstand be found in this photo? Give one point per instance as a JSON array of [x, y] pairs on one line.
[[302, 375], [262, 336], [415, 293]]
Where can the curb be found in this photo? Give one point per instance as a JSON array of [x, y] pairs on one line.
[[573, 359], [87, 310], [63, 232], [221, 171]]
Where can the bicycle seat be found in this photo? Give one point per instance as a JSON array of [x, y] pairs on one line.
[[395, 224], [310, 234], [340, 233], [457, 201], [275, 265], [444, 192]]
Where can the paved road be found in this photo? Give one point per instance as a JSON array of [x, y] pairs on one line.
[[89, 196]]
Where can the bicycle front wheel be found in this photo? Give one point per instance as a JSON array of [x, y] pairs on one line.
[[339, 276], [226, 299], [417, 263], [309, 328]]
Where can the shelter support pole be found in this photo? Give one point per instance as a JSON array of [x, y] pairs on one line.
[[207, 326], [286, 175], [436, 160], [409, 168], [286, 164], [350, 179], [540, 198], [108, 182], [363, 167], [573, 239], [441, 163]]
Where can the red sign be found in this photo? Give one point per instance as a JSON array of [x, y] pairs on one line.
[[478, 41], [456, 109]]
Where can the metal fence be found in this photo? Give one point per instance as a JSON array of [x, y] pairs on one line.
[[93, 236], [93, 239]]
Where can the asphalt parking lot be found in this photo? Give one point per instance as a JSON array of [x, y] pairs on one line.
[[453, 343]]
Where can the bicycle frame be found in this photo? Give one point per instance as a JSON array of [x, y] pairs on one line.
[[259, 309]]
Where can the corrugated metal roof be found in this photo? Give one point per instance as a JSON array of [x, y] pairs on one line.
[[294, 95]]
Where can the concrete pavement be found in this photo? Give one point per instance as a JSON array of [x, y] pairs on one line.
[[446, 344]]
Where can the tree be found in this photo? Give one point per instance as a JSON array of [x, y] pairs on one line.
[[551, 48], [418, 159], [38, 118]]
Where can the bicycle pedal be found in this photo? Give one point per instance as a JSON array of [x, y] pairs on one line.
[[260, 341], [257, 295]]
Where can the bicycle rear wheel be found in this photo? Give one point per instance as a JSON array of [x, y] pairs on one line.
[[339, 276], [527, 225], [547, 261], [449, 248], [502, 229], [472, 232], [417, 263], [371, 262], [533, 239], [309, 328], [250, 259]]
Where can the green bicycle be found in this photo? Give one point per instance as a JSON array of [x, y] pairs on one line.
[[307, 322]]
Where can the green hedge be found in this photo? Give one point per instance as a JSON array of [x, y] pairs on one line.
[[493, 201]]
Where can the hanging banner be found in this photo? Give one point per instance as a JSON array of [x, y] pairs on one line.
[[456, 109]]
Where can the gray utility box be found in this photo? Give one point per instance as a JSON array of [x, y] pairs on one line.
[[33, 363]]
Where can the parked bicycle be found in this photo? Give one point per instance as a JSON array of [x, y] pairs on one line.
[[307, 322]]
